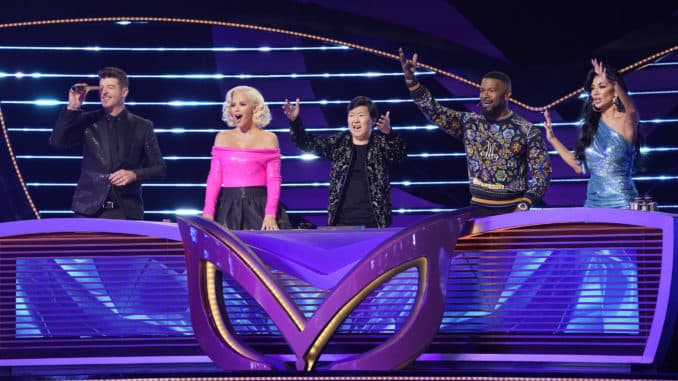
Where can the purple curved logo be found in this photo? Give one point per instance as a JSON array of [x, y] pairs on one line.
[[212, 251]]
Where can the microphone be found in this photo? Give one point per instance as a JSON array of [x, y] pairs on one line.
[[83, 88]]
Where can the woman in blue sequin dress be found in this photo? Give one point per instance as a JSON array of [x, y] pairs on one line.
[[608, 140]]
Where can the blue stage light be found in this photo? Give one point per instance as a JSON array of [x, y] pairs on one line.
[[653, 92], [585, 95], [405, 183], [41, 184], [308, 157], [175, 158], [194, 103], [174, 49], [48, 157], [660, 120], [422, 210], [437, 154], [47, 102], [408, 183], [195, 212], [187, 212], [674, 63], [646, 150]]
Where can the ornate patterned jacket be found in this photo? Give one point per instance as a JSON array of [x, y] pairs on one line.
[[383, 151], [499, 152]]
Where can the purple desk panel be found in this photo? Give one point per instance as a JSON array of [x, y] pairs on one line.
[[559, 286]]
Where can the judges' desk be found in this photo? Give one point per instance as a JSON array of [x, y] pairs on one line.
[[569, 286]]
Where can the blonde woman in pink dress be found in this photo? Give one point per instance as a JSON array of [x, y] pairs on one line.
[[243, 185]]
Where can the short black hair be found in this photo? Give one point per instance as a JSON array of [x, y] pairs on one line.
[[494, 74], [362, 100], [114, 72]]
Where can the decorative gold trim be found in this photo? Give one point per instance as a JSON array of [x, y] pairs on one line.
[[208, 274], [315, 349], [291, 310], [10, 150]]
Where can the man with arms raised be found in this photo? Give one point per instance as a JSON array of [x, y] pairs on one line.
[[508, 165], [360, 189]]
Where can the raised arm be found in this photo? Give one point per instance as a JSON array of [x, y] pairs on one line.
[[395, 148], [630, 112], [72, 121], [564, 153], [447, 119], [409, 66], [321, 146]]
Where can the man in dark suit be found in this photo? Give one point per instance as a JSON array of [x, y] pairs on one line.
[[119, 149]]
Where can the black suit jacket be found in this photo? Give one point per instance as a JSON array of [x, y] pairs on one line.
[[138, 151]]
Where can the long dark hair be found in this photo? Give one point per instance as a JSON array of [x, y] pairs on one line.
[[591, 114]]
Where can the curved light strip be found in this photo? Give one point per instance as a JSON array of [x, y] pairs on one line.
[[317, 38], [12, 157]]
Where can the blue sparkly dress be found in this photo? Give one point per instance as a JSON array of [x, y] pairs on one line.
[[609, 160]]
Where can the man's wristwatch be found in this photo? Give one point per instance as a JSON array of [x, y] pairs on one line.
[[523, 206]]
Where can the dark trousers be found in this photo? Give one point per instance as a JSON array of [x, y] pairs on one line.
[[111, 214], [486, 211]]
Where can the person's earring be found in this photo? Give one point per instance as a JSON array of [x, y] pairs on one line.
[[617, 103]]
